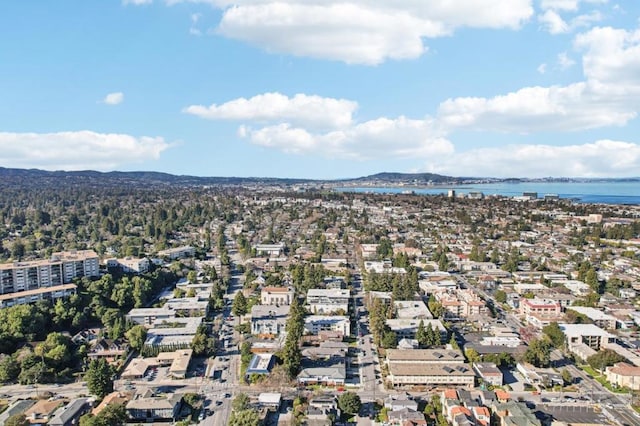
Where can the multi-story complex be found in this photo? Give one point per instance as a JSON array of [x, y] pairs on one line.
[[585, 339], [268, 321], [177, 252], [540, 307], [315, 324], [276, 296], [412, 309], [26, 282], [599, 318], [271, 250], [420, 367], [325, 301], [130, 265], [462, 303], [406, 328]]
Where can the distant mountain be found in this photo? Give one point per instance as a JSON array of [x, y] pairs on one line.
[[392, 177], [22, 177], [8, 175]]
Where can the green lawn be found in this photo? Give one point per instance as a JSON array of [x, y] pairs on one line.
[[601, 379]]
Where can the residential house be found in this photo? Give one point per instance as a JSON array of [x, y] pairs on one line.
[[70, 414], [153, 408]]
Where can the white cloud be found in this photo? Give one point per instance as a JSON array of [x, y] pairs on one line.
[[358, 31], [612, 58], [308, 110], [78, 150], [535, 109], [565, 61], [137, 2], [609, 95], [194, 30], [114, 98], [542, 68], [553, 23], [603, 158], [380, 138], [567, 5]]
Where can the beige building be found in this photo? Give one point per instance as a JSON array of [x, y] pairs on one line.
[[276, 296], [624, 375]]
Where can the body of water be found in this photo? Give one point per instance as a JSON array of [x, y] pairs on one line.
[[585, 192]]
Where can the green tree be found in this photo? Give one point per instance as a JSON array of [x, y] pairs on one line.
[[111, 415], [239, 306], [538, 353], [136, 336], [605, 358], [472, 355], [192, 276], [99, 378], [500, 296], [9, 368], [17, 420], [567, 378], [435, 307], [247, 417], [349, 402], [421, 334], [555, 334], [240, 402]]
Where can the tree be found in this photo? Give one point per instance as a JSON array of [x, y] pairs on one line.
[[472, 355], [349, 402], [247, 417], [500, 296], [9, 368], [192, 276], [239, 306], [567, 378], [136, 336], [421, 334], [99, 378], [605, 358], [17, 420], [555, 334], [538, 353], [111, 415], [240, 402]]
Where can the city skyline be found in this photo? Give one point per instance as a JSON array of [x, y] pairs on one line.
[[322, 90]]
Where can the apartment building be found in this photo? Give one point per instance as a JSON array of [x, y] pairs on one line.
[[324, 301], [177, 252], [270, 250], [540, 307], [420, 367], [599, 318], [276, 296], [130, 265], [30, 281], [314, 324], [268, 321]]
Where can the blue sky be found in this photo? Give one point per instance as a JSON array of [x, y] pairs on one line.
[[322, 89]]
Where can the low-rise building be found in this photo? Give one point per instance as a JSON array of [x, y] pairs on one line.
[[599, 318], [315, 324], [624, 375], [70, 414], [325, 301], [152, 408], [420, 367], [406, 328], [540, 307], [268, 321], [489, 373], [412, 309], [177, 252], [276, 295], [585, 335], [130, 265]]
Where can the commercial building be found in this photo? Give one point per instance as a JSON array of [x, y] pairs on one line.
[[271, 250], [27, 282]]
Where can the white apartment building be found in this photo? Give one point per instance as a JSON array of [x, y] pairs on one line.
[[177, 252], [324, 301], [314, 324], [268, 320], [130, 265], [271, 250], [26, 282]]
